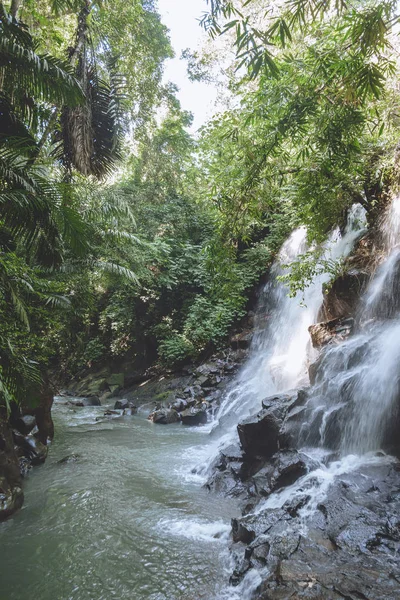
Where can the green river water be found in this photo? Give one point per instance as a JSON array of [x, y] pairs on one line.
[[127, 520]]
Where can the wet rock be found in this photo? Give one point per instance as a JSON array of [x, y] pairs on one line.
[[66, 393], [30, 447], [259, 434], [87, 401], [194, 416], [24, 424], [91, 401], [180, 405], [203, 381], [285, 468], [352, 546], [328, 332], [24, 466], [129, 412], [343, 296], [164, 416], [123, 404], [11, 499], [71, 458]]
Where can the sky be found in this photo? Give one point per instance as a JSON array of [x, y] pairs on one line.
[[181, 18]]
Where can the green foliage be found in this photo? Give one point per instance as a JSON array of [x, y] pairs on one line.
[[122, 237], [175, 350]]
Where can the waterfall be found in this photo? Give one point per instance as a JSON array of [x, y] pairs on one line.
[[281, 349], [355, 398]]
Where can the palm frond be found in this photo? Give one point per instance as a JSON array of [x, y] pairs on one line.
[[115, 269]]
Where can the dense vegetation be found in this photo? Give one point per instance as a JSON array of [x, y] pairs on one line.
[[121, 235]]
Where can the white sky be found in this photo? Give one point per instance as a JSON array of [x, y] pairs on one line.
[[180, 16]]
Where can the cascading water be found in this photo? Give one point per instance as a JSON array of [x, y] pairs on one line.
[[353, 405], [357, 387], [281, 346]]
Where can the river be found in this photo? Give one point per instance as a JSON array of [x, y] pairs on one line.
[[126, 520]]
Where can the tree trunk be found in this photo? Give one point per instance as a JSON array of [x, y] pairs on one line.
[[81, 36], [14, 8]]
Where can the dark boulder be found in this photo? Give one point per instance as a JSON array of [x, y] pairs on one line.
[[123, 404], [91, 401], [259, 434], [194, 416], [86, 401], [180, 404], [30, 447], [11, 498], [164, 416], [24, 424]]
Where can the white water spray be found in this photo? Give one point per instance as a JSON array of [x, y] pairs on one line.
[[281, 347]]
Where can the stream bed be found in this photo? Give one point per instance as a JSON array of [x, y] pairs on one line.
[[125, 520]]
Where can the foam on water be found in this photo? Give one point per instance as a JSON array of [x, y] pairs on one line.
[[216, 531]]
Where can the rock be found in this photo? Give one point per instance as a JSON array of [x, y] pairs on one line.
[[24, 424], [77, 403], [336, 331], [179, 405], [343, 296], [351, 548], [259, 434], [71, 458], [242, 340], [91, 401], [66, 393], [285, 468], [24, 466], [87, 401], [11, 499], [124, 404], [204, 381], [30, 447], [164, 416], [129, 412], [194, 416]]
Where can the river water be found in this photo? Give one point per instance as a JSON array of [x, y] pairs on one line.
[[127, 520]]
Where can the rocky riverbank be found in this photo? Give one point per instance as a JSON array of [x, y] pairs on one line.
[[189, 396], [320, 506], [24, 437]]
